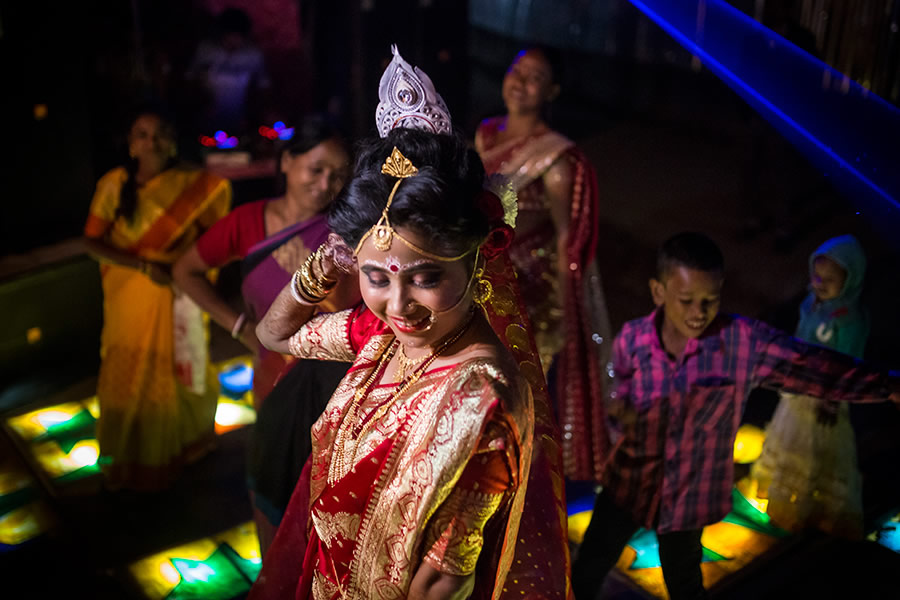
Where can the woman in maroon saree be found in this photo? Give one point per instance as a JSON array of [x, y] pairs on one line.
[[435, 468], [554, 251], [272, 238]]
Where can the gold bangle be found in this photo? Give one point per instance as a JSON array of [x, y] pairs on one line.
[[309, 283], [299, 292], [319, 284], [309, 288]]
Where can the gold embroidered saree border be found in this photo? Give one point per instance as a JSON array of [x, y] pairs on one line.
[[529, 157]]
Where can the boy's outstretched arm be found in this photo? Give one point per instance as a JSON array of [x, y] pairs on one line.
[[783, 362]]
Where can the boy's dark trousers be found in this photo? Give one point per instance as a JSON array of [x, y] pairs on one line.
[[610, 529]]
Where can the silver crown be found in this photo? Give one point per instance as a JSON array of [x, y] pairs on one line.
[[408, 99]]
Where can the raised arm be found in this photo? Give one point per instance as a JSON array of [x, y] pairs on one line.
[[297, 302], [784, 362]]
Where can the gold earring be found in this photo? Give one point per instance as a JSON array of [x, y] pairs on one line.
[[483, 289]]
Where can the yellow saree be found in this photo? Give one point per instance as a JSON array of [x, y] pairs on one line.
[[156, 389]]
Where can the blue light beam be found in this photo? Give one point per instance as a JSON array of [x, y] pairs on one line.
[[849, 132]]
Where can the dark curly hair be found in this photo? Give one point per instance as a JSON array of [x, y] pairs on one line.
[[439, 202]]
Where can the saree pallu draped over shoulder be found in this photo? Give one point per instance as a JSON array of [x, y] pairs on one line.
[[156, 389]]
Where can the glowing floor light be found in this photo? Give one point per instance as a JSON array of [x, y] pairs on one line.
[[887, 533], [36, 423], [219, 567], [748, 444], [24, 523], [85, 453], [231, 415], [236, 376]]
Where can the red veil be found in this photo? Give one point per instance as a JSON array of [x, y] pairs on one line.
[[540, 566]]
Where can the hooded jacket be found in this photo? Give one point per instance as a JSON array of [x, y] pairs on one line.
[[839, 323]]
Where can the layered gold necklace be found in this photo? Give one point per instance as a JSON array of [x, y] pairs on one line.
[[351, 429]]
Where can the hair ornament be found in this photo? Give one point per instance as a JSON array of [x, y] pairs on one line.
[[501, 186], [407, 100]]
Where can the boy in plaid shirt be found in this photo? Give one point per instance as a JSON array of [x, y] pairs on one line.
[[682, 376]]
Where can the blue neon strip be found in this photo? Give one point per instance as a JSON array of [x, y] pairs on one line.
[[836, 122]]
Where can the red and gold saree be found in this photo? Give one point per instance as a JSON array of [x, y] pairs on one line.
[[460, 471]]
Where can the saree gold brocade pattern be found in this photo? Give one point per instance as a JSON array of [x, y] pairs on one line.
[[444, 416], [323, 337], [458, 530]]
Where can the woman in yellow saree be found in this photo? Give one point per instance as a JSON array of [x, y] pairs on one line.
[[435, 472], [156, 389]]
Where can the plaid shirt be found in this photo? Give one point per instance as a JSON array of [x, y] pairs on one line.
[[673, 422]]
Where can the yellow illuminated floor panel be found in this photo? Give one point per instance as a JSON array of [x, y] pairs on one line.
[[62, 438], [728, 546], [24, 516], [219, 567]]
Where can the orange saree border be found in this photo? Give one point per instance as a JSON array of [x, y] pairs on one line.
[[180, 215]]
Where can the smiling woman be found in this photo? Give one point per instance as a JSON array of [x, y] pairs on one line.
[[271, 238], [416, 487]]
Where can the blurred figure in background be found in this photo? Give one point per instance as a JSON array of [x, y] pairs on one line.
[[272, 238], [156, 388], [808, 467], [232, 71], [554, 248]]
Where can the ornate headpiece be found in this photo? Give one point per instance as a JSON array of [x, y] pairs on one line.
[[408, 99]]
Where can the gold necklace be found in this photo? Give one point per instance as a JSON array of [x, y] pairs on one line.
[[405, 363], [340, 441], [337, 469]]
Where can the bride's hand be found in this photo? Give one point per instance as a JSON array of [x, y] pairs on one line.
[[337, 259]]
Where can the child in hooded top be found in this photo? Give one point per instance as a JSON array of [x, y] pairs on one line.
[[681, 378], [808, 465]]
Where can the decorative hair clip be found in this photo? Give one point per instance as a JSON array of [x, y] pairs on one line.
[[397, 165], [407, 99]]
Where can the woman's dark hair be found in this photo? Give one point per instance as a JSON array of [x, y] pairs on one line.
[[439, 203], [309, 133], [129, 194]]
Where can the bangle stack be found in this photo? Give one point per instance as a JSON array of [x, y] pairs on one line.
[[307, 288], [238, 325]]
